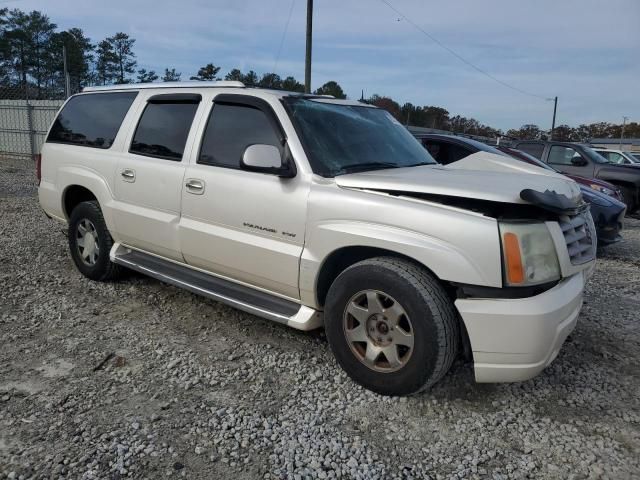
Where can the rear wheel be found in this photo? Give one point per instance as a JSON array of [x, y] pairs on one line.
[[391, 326], [90, 243]]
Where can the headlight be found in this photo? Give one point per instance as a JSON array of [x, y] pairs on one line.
[[601, 189], [528, 253]]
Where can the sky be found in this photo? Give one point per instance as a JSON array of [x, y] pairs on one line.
[[586, 52]]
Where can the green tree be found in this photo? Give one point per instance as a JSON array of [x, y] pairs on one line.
[[26, 38], [208, 72], [171, 75], [250, 79], [146, 77], [290, 84], [526, 132], [270, 80], [234, 74], [333, 88], [80, 56], [105, 66], [122, 57]]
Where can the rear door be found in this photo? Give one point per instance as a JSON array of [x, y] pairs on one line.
[[149, 177], [246, 226]]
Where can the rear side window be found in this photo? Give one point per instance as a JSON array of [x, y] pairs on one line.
[[91, 120], [231, 129], [534, 149], [163, 129]]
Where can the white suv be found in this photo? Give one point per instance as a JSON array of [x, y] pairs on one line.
[[312, 211]]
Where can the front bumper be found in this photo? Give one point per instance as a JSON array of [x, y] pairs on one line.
[[515, 339]]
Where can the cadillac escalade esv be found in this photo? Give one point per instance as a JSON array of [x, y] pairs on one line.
[[316, 212]]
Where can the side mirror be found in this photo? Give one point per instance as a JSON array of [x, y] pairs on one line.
[[579, 161], [266, 159]]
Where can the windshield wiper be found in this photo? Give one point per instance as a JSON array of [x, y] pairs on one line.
[[368, 166]]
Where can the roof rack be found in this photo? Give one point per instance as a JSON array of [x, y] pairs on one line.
[[188, 84]]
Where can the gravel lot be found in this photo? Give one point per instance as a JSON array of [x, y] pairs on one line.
[[195, 389]]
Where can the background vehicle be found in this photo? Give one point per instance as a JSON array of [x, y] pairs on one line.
[[446, 149], [593, 183], [607, 211], [579, 159], [312, 211], [617, 157]]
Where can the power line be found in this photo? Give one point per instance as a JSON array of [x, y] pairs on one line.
[[284, 34], [460, 57]]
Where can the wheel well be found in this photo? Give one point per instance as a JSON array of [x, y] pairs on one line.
[[343, 258], [74, 195]]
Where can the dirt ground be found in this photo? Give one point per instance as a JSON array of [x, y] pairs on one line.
[[142, 380]]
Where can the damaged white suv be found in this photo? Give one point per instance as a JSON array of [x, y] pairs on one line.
[[312, 211]]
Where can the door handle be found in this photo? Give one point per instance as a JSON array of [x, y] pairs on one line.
[[128, 175], [195, 186]]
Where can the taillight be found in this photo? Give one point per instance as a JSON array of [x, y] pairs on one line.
[[39, 167]]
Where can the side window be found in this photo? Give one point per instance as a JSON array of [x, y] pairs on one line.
[[436, 150], [458, 152], [562, 155], [163, 129], [230, 130], [535, 149], [615, 157], [91, 120]]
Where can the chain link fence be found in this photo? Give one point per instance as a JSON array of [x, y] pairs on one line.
[[25, 116]]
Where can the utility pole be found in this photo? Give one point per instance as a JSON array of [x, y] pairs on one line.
[[553, 123], [307, 60], [67, 83], [624, 124]]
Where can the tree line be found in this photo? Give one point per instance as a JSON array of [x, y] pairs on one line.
[[31, 60]]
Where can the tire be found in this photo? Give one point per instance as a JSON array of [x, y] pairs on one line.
[[628, 196], [426, 312], [91, 255]]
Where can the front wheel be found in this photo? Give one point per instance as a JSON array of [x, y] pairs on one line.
[[391, 326], [90, 243]]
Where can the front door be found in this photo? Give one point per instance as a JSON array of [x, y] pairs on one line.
[[569, 160], [246, 226], [149, 178]]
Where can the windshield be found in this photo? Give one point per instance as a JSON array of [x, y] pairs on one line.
[[341, 138]]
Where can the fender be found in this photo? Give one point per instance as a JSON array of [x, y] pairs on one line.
[[91, 179], [445, 260]]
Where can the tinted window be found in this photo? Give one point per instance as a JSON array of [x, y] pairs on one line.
[[163, 129], [534, 149], [458, 152], [562, 155], [446, 153], [437, 150], [92, 120], [231, 129]]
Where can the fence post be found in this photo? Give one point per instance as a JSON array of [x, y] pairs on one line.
[[32, 132], [30, 128]]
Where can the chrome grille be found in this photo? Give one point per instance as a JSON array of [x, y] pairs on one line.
[[579, 236]]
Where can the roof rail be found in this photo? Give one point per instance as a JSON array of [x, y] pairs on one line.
[[188, 84]]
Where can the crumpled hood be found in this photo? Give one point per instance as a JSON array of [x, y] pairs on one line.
[[483, 175]]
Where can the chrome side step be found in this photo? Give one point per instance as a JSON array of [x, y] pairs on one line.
[[238, 296]]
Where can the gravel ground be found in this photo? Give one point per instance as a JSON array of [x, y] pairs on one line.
[[140, 379]]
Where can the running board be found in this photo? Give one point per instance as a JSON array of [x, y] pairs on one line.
[[236, 295]]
